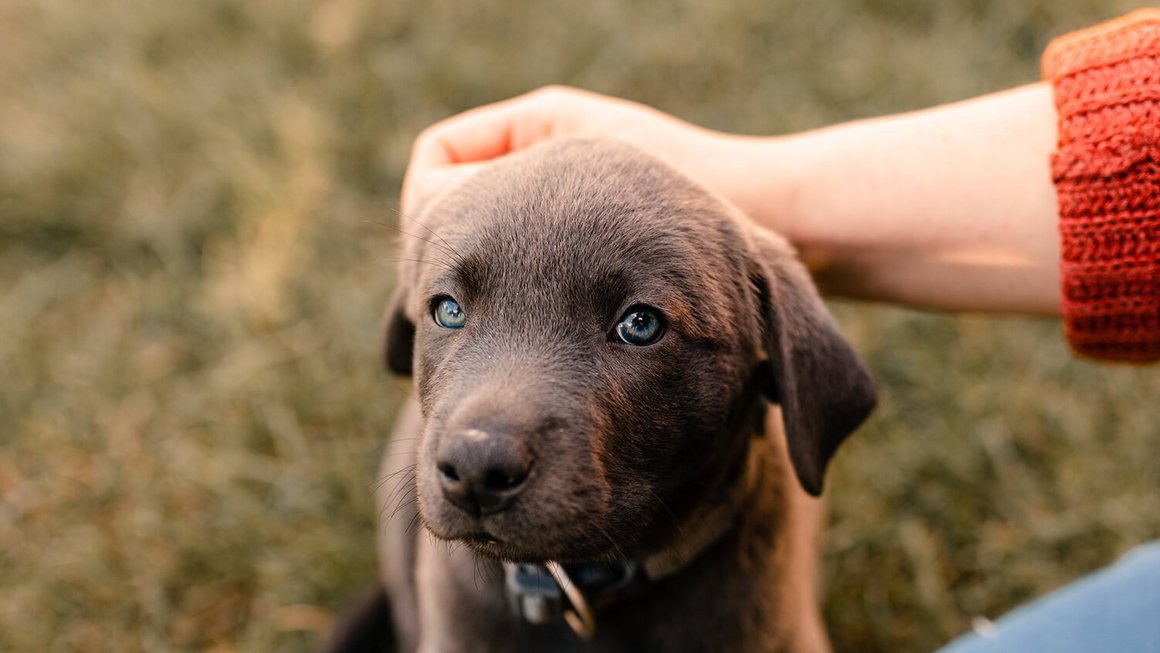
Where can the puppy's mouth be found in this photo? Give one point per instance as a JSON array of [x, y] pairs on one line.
[[490, 546], [481, 539], [521, 550]]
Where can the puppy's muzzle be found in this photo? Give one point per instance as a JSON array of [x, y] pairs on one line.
[[482, 473]]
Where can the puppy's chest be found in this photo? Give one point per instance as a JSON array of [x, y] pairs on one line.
[[710, 607], [621, 629]]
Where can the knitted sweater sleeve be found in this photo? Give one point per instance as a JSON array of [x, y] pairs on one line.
[[1107, 176]]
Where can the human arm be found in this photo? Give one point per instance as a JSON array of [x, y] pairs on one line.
[[949, 208]]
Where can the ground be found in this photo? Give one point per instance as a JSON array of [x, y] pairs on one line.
[[196, 203]]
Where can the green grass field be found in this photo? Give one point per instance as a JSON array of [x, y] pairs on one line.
[[194, 249]]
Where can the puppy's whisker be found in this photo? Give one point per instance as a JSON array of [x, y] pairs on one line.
[[411, 525], [448, 248], [403, 501], [384, 448], [384, 516], [405, 388], [378, 483], [493, 572], [384, 522], [406, 467], [448, 263], [395, 454], [438, 263], [667, 512], [440, 246], [398, 497], [615, 546], [403, 504], [443, 245]]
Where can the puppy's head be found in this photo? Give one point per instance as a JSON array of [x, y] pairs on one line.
[[593, 338]]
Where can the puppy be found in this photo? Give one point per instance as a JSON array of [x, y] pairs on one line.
[[605, 355]]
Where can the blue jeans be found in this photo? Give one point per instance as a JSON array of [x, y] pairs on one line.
[[1116, 609]]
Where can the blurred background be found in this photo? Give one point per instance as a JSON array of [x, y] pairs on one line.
[[195, 200]]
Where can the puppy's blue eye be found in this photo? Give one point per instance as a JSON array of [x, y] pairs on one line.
[[640, 326], [449, 314]]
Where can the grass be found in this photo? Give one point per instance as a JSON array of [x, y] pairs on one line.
[[194, 200]]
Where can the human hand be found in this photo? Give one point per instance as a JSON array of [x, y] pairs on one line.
[[948, 208], [453, 148]]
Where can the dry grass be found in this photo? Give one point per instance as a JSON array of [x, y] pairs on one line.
[[192, 260]]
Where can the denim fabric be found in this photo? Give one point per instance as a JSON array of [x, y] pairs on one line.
[[1114, 610]]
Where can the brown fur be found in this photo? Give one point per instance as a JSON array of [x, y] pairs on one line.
[[633, 447]]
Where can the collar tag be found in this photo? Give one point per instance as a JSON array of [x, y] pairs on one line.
[[549, 593], [533, 593]]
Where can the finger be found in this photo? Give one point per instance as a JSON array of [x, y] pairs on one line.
[[476, 135], [494, 129]]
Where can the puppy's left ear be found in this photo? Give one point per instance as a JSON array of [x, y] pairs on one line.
[[824, 391]]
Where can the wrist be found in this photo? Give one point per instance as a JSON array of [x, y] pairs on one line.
[[767, 178]]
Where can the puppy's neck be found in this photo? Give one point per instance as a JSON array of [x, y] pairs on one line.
[[709, 522]]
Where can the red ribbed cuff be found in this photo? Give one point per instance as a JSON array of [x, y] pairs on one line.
[[1107, 176]]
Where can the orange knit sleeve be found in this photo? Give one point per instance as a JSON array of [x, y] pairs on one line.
[[1107, 176]]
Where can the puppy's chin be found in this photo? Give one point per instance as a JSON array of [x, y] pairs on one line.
[[516, 537], [531, 545], [487, 547]]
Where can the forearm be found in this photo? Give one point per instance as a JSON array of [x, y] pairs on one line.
[[949, 208]]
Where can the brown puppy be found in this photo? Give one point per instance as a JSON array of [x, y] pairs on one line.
[[604, 355]]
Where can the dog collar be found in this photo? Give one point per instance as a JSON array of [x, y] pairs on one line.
[[551, 592]]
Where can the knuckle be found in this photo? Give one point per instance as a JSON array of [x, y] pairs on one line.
[[425, 138], [553, 94]]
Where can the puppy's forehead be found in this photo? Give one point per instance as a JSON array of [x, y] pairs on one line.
[[587, 211], [577, 240]]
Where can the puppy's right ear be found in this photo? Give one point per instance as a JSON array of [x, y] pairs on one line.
[[398, 329], [398, 333]]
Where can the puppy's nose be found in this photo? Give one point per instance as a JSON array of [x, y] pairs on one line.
[[482, 473]]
